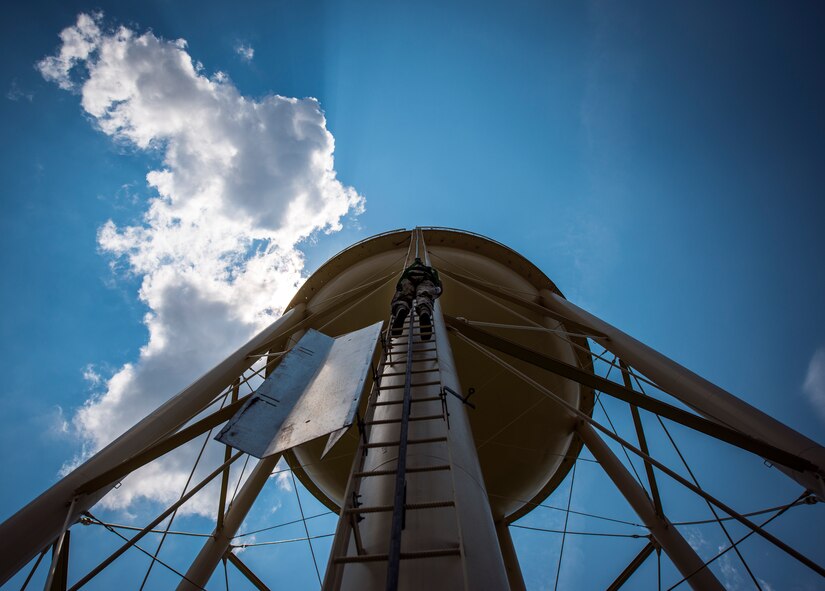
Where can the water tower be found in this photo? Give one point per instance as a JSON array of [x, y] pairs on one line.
[[426, 448]]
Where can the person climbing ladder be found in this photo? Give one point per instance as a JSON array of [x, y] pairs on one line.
[[422, 283]]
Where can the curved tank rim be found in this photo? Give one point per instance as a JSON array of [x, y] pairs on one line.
[[587, 394], [298, 294]]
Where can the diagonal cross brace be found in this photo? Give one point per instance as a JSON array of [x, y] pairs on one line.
[[632, 567], [647, 403]]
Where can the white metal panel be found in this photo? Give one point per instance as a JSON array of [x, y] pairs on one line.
[[313, 392], [330, 401]]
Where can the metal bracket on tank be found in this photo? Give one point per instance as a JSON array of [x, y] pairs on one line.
[[356, 502], [463, 399], [362, 430], [444, 410]]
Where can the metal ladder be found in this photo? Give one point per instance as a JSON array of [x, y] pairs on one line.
[[354, 511]]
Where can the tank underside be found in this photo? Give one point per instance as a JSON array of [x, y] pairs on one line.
[[525, 444]]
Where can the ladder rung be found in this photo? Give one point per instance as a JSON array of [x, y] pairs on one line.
[[391, 421], [427, 350], [409, 442], [404, 339], [407, 506], [436, 468], [399, 386], [404, 555], [414, 361], [389, 402], [416, 324], [403, 373], [405, 333]]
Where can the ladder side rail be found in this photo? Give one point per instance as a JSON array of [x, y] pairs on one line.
[[394, 554], [340, 547]]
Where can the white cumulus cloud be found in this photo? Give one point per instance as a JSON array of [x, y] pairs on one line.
[[731, 575], [814, 385], [247, 52], [15, 93], [242, 182]]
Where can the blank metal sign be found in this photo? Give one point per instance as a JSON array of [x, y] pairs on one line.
[[314, 391]]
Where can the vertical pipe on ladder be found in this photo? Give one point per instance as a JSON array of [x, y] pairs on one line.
[[698, 393], [668, 537], [484, 566]]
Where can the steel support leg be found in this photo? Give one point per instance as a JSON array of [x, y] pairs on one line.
[[665, 534], [591, 380], [60, 555], [152, 524], [647, 458], [59, 577], [508, 553], [227, 526], [225, 476], [37, 525], [217, 546], [700, 394]]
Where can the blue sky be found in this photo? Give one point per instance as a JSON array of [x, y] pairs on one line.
[[664, 165]]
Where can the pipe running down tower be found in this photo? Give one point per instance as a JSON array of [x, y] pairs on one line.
[[446, 441]]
